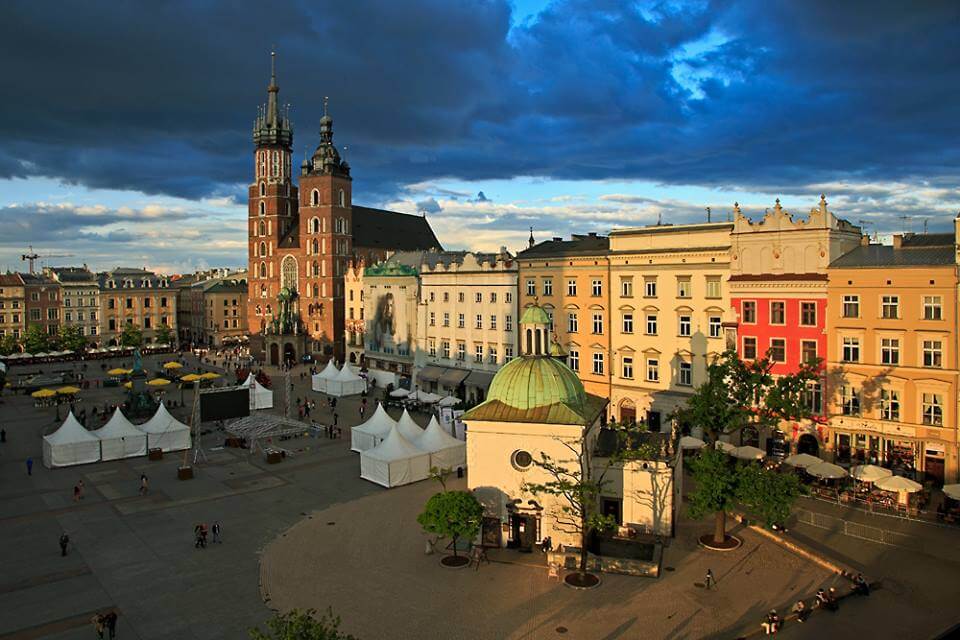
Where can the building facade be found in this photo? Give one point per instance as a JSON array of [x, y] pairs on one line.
[[355, 326], [139, 297], [303, 237], [778, 292], [43, 299], [81, 300], [669, 299], [468, 321], [391, 295], [12, 306], [570, 279], [892, 355]]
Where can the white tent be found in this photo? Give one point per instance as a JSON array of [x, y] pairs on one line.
[[689, 443], [747, 453], [408, 428], [69, 445], [166, 432], [373, 431], [446, 452], [449, 401], [424, 396], [394, 462], [346, 383], [318, 382], [260, 396], [399, 392], [120, 439]]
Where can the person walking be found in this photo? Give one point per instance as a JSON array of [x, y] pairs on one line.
[[29, 466], [64, 541], [144, 484], [801, 610], [99, 624], [216, 532], [82, 489], [76, 493], [111, 622], [3, 435], [709, 581]]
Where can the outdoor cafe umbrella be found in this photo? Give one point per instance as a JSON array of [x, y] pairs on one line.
[[43, 393], [449, 401], [747, 453], [128, 385], [689, 442], [802, 460], [68, 391], [869, 473], [952, 491], [158, 382], [898, 483], [190, 377], [209, 375], [400, 393], [826, 471], [172, 365], [118, 372]]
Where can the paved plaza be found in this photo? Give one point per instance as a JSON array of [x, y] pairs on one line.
[[135, 554]]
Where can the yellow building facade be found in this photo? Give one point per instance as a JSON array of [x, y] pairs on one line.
[[892, 356]]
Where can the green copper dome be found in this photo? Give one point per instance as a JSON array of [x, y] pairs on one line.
[[531, 382], [534, 314]]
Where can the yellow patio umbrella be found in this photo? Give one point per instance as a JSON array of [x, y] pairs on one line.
[[158, 382], [118, 372], [68, 391], [128, 385], [173, 365], [44, 393], [209, 375], [190, 377]]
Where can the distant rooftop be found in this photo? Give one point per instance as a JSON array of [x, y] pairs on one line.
[[578, 245], [380, 229], [915, 250]]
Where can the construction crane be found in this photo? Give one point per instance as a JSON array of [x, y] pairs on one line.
[[32, 255]]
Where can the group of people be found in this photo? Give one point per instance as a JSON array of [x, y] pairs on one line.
[[105, 622], [825, 599], [200, 535]]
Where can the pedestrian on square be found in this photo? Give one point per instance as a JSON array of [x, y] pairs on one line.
[[306, 410], [29, 466], [64, 541], [98, 624], [111, 621], [362, 409], [709, 581], [216, 532], [801, 610], [76, 493], [3, 435], [335, 418], [144, 484], [197, 538], [82, 490]]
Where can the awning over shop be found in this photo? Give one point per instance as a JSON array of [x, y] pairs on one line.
[[453, 377], [479, 379], [430, 374]]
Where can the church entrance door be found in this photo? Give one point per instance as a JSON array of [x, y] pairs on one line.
[[274, 354]]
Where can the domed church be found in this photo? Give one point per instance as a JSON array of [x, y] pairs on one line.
[[537, 405]]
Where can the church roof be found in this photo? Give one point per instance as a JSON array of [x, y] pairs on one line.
[[392, 231]]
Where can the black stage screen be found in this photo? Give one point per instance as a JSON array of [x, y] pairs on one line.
[[224, 404]]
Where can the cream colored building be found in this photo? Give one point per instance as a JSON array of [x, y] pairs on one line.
[[669, 299], [12, 306], [537, 406], [353, 312], [142, 298], [468, 321], [81, 300]]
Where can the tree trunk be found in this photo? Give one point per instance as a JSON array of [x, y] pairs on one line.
[[583, 545], [455, 546], [720, 527]]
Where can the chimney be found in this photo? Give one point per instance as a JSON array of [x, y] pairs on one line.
[[897, 241], [864, 241], [558, 239], [592, 234]]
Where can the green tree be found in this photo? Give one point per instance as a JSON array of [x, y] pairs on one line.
[[164, 335], [766, 494], [8, 345], [36, 340], [71, 338], [457, 514], [131, 336], [302, 625], [716, 479]]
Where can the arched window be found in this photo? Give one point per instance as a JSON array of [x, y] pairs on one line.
[[316, 269], [263, 208], [343, 198], [269, 310], [276, 163], [315, 226], [316, 246], [263, 271], [263, 189], [262, 170], [288, 273], [263, 287], [263, 249], [262, 228], [316, 290], [315, 197], [259, 310]]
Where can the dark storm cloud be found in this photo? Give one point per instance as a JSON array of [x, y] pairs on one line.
[[160, 97]]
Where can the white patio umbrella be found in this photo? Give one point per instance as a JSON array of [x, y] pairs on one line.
[[689, 442], [898, 483], [826, 471], [726, 447], [399, 393], [952, 491], [747, 453], [802, 460], [449, 401], [869, 473]]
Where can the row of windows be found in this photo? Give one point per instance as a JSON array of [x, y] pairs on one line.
[[777, 349], [36, 314], [14, 304], [684, 286], [68, 316], [461, 297], [112, 323], [144, 283], [931, 307], [478, 321], [68, 302], [888, 407], [931, 351], [481, 354], [778, 313], [147, 303], [651, 325]]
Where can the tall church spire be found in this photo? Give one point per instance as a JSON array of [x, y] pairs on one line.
[[272, 127]]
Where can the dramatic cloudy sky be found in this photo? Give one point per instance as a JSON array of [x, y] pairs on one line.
[[126, 126]]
